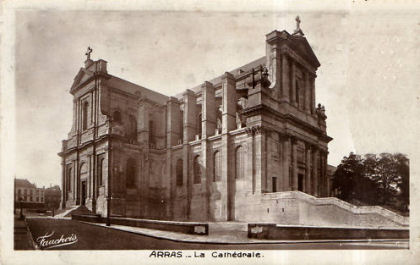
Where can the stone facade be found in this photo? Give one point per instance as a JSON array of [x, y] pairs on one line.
[[211, 153]]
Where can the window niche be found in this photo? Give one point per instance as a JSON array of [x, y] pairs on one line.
[[131, 172], [217, 166], [85, 115], [197, 170], [179, 172]]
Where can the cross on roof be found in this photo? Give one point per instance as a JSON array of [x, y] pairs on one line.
[[297, 23], [298, 31], [88, 52]]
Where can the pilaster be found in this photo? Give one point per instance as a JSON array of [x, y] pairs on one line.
[[285, 82], [190, 116], [229, 103], [294, 165], [173, 125], [308, 169], [316, 172], [293, 83], [286, 163], [208, 110], [307, 94]]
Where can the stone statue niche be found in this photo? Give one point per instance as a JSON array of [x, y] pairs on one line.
[[240, 106]]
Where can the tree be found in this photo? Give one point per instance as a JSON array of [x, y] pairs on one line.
[[374, 179]]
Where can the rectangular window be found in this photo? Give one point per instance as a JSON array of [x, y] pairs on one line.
[[274, 183], [85, 116]]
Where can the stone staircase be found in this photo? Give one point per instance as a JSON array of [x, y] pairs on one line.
[[78, 209]]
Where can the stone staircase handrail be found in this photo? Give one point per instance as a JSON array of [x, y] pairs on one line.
[[402, 220]]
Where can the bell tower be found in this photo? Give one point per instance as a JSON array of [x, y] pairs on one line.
[[292, 68]]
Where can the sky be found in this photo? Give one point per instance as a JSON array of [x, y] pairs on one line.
[[368, 79]]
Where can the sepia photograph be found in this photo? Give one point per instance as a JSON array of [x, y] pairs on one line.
[[195, 133]]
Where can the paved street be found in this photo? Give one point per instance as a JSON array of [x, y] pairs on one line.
[[102, 238]]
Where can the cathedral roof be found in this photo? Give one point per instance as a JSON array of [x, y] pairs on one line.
[[235, 72]]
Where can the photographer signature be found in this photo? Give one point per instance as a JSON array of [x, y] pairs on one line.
[[46, 241]]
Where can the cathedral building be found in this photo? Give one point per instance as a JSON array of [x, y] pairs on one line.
[[228, 149]]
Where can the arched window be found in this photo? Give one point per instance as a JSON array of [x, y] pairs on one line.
[[83, 169], [197, 170], [131, 172], [239, 162], [116, 116], [179, 172], [217, 169], [133, 129], [85, 116]]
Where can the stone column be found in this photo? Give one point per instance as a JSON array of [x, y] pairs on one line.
[[316, 175], [189, 133], [260, 158], [226, 163], [285, 86], [228, 124], [308, 169], [190, 116], [307, 93], [324, 174], [294, 163], [173, 135], [250, 157], [172, 122], [208, 110], [293, 83], [143, 123], [312, 85], [208, 129], [63, 182], [286, 155], [229, 103]]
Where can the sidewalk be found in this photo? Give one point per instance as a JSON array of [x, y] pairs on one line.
[[218, 238], [22, 237]]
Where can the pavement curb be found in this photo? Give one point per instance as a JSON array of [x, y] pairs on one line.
[[34, 245], [250, 242]]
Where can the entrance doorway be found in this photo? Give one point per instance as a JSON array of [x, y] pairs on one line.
[[84, 192], [300, 182]]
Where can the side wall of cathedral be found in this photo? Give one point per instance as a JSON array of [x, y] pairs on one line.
[[212, 153]]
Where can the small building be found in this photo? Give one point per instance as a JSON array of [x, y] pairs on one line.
[[28, 194], [53, 196]]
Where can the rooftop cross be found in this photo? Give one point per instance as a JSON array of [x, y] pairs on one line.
[[298, 31], [88, 52], [297, 23]]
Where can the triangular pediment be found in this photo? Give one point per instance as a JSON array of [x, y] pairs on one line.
[[302, 46], [297, 42], [80, 78]]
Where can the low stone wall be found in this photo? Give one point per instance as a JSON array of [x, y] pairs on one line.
[[298, 208], [279, 232], [182, 227]]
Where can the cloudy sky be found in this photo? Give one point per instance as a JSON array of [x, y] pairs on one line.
[[368, 79]]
